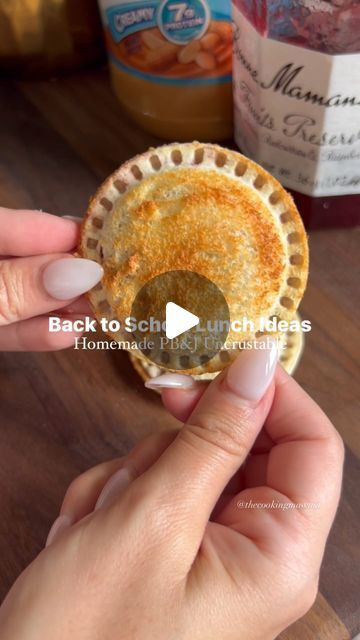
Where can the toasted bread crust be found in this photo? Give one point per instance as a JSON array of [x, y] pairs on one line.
[[206, 209]]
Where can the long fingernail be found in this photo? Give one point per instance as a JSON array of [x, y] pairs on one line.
[[171, 381], [114, 488], [70, 277], [251, 373], [73, 218], [60, 525]]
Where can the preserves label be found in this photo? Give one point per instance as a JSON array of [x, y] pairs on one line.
[[297, 112], [171, 41]]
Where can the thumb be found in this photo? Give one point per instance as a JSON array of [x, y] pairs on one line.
[[216, 438]]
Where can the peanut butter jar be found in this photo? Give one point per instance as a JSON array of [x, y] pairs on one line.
[[171, 65]]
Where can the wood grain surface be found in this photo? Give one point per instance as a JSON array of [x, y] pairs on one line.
[[64, 412]]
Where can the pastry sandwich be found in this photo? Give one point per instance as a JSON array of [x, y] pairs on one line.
[[205, 209]]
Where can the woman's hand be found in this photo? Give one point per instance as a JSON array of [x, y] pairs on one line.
[[195, 535], [38, 275]]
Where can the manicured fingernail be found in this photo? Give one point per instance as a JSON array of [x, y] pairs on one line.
[[114, 488], [74, 218], [60, 525], [171, 381], [70, 277], [251, 373]]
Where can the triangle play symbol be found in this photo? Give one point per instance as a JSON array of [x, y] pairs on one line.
[[178, 320]]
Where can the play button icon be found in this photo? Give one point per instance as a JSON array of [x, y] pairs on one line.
[[178, 320], [181, 320]]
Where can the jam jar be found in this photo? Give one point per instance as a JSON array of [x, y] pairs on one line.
[[297, 100]]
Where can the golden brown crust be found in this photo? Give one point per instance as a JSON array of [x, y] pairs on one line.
[[206, 209]]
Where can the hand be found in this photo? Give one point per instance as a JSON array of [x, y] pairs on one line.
[[38, 275], [160, 545]]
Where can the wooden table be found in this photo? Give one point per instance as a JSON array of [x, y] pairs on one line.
[[64, 412]]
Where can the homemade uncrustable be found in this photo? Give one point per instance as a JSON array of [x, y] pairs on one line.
[[205, 209]]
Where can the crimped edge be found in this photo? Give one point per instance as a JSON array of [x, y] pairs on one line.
[[289, 359], [201, 156]]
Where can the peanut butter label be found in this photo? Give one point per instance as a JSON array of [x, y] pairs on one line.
[[170, 41]]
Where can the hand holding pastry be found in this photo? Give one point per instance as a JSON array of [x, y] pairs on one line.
[[39, 276], [163, 544]]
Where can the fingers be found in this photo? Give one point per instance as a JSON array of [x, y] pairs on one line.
[[303, 472], [33, 335], [80, 306], [143, 456], [216, 438], [82, 494], [25, 233], [306, 463], [100, 486], [181, 402], [37, 285], [33, 286]]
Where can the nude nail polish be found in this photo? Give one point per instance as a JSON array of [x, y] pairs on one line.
[[69, 278], [171, 381], [60, 525], [114, 487], [251, 373]]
